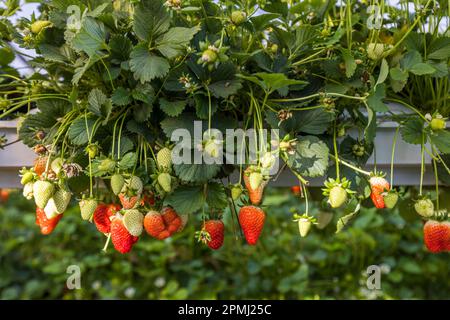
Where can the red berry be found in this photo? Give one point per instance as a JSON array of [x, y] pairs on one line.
[[47, 225], [436, 236], [378, 185], [122, 240], [251, 219], [101, 218], [215, 228], [296, 190]]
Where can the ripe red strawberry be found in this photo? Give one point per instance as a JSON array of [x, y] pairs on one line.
[[162, 225], [215, 228], [296, 190], [128, 202], [122, 240], [101, 218], [436, 236], [378, 186], [254, 179], [154, 225], [47, 225], [39, 165], [171, 219], [251, 219]]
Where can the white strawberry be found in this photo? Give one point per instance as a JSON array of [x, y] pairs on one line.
[[50, 209], [133, 220], [28, 190], [43, 191]]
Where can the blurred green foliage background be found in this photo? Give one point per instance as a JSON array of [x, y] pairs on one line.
[[324, 265]]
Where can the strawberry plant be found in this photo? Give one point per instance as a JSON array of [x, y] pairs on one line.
[[140, 103]]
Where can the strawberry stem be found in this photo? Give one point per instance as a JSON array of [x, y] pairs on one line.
[[394, 143], [367, 173], [436, 179], [107, 242], [336, 156]]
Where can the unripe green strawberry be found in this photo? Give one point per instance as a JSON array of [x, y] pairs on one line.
[[375, 51], [135, 184], [238, 17], [61, 199], [92, 150], [42, 191], [38, 25], [133, 220], [28, 190], [390, 199], [87, 208], [337, 197], [27, 177], [165, 180], [117, 182], [424, 207], [255, 179], [209, 56], [437, 124], [236, 191], [304, 225], [56, 165], [164, 158]]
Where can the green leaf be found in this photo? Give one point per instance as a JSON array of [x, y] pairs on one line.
[[411, 130], [439, 49], [310, 158], [342, 222], [384, 72], [6, 56], [172, 43], [186, 199], [172, 108], [128, 161], [262, 20], [441, 139], [96, 100], [90, 38], [216, 196], [225, 88], [196, 172], [186, 121], [121, 48], [410, 59], [375, 99], [150, 19], [349, 61], [79, 71], [146, 66], [314, 121], [142, 112], [270, 82], [421, 69], [51, 53], [202, 106], [398, 74], [121, 97], [78, 131]]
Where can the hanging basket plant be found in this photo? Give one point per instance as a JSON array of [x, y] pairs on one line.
[[155, 114]]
